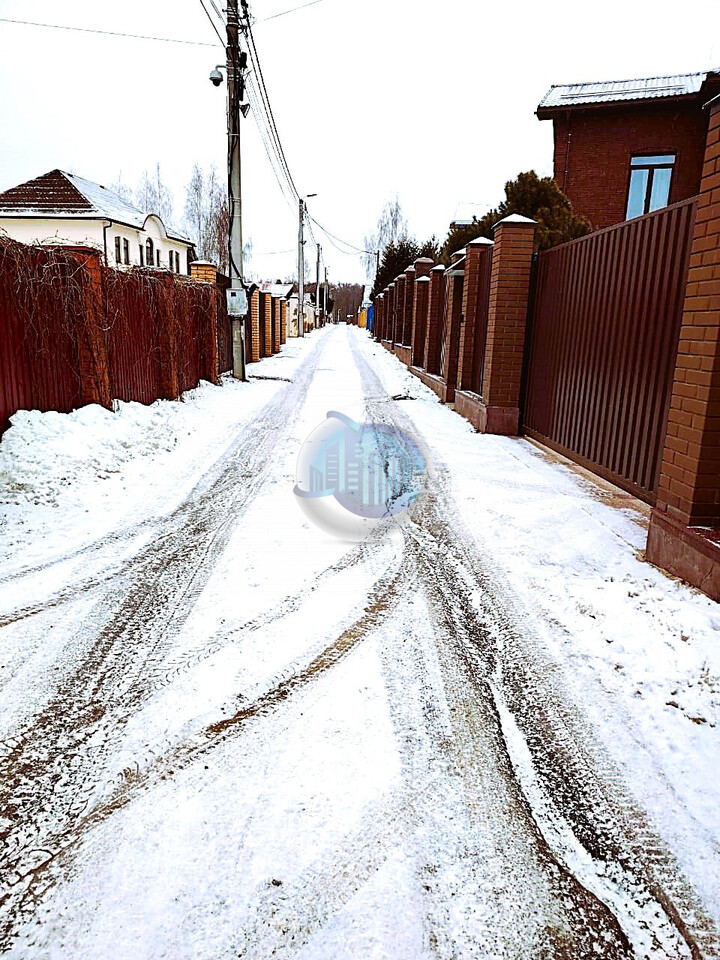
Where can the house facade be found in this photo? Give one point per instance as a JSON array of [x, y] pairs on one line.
[[62, 208], [624, 148]]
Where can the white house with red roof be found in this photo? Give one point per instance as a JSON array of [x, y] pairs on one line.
[[62, 208]]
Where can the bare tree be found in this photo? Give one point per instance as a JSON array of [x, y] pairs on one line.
[[154, 196], [391, 227], [207, 219]]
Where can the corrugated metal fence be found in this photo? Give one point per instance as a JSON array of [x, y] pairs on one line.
[[603, 338], [73, 333]]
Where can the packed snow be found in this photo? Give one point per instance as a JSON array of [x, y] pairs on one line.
[[283, 753]]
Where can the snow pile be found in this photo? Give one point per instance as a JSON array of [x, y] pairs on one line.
[[46, 456]]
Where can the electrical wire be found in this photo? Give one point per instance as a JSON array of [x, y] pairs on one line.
[[212, 22], [108, 33], [291, 10], [331, 236]]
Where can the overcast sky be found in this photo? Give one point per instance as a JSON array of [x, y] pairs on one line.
[[372, 98]]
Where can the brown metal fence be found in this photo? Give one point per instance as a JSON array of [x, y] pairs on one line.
[[603, 338], [73, 332]]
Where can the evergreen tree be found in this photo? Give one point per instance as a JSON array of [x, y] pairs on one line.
[[531, 196]]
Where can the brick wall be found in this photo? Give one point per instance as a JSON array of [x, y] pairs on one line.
[[689, 485], [593, 150]]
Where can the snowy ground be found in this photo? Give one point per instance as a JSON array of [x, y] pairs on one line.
[[226, 734]]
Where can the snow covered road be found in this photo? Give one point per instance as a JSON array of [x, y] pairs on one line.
[[226, 734]]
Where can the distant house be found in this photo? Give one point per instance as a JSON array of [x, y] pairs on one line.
[[623, 148], [60, 207]]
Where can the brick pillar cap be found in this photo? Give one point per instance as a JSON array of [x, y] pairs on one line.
[[423, 280], [515, 220], [424, 260], [201, 263], [438, 268], [400, 276], [483, 242], [410, 269]]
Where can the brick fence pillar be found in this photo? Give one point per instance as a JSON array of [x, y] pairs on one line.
[[254, 346], [452, 313], [283, 321], [93, 359], [399, 310], [276, 314], [408, 308], [433, 331], [418, 322], [507, 318], [266, 329], [475, 252], [390, 325], [203, 270], [378, 305], [684, 537]]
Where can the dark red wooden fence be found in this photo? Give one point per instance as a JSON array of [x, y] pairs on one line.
[[603, 338]]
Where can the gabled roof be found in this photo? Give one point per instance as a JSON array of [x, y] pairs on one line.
[[276, 289], [62, 194], [562, 96]]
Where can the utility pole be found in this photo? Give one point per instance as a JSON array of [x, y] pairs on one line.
[[237, 298], [301, 269], [325, 298], [317, 287]]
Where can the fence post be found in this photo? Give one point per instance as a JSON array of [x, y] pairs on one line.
[[688, 497], [418, 311], [436, 298], [204, 271], [266, 329], [399, 311], [499, 411], [283, 320], [392, 314], [255, 326], [95, 386], [474, 252], [455, 278]]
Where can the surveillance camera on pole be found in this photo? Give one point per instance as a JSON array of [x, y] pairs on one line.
[[235, 68]]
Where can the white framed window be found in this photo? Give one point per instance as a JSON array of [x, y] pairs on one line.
[[649, 186]]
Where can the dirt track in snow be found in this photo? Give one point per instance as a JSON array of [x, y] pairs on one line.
[[507, 804]]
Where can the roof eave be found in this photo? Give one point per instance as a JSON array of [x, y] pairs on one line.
[[549, 113]]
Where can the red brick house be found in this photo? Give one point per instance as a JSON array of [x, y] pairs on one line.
[[623, 148]]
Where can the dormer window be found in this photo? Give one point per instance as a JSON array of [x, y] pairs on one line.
[[149, 252], [649, 187]]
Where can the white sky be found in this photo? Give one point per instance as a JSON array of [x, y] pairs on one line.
[[372, 98]]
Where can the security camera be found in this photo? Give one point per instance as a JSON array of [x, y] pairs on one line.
[[216, 77]]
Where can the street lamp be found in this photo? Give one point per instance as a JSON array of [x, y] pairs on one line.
[[301, 263]]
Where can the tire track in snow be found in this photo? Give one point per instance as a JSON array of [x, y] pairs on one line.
[[488, 636], [50, 770], [27, 888]]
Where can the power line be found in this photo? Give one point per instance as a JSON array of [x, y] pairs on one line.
[[108, 33], [212, 22], [332, 236], [291, 10]]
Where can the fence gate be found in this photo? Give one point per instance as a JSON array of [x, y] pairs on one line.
[[603, 338]]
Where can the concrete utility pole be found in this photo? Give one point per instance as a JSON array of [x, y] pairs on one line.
[[237, 298], [325, 298], [301, 269], [317, 287]]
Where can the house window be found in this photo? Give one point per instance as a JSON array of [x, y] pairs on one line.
[[157, 257], [649, 184], [126, 250], [117, 249], [142, 254], [177, 262], [149, 252]]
